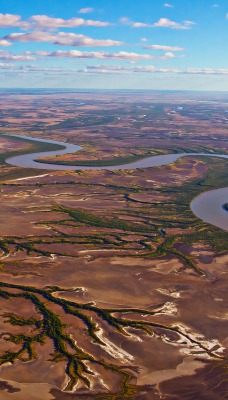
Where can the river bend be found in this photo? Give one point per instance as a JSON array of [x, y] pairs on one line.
[[207, 206]]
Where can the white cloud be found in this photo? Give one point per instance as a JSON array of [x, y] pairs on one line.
[[168, 5], [43, 21], [8, 56], [9, 20], [34, 68], [169, 54], [6, 66], [206, 71], [164, 23], [109, 69], [121, 55], [85, 10], [5, 43], [163, 47], [113, 69], [141, 25], [106, 69], [123, 69], [60, 38], [144, 39]]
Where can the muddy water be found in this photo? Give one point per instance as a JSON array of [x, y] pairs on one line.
[[208, 207]]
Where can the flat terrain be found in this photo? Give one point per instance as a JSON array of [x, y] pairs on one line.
[[110, 287]]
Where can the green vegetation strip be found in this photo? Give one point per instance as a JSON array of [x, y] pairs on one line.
[[49, 326], [35, 147], [96, 163]]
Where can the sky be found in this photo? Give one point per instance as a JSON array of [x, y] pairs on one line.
[[114, 44]]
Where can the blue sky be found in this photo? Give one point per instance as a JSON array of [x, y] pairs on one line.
[[126, 44]]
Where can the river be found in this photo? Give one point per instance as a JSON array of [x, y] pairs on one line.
[[207, 206]]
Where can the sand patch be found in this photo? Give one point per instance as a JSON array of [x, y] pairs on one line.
[[186, 368]]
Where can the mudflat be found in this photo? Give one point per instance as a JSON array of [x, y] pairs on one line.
[[110, 286]]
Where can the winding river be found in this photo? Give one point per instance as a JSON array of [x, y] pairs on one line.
[[207, 206]]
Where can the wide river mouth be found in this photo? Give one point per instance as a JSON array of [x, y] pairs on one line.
[[207, 206]]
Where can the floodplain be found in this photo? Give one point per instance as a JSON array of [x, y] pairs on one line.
[[111, 288]]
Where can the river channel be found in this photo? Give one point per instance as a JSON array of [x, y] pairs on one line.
[[207, 206]]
